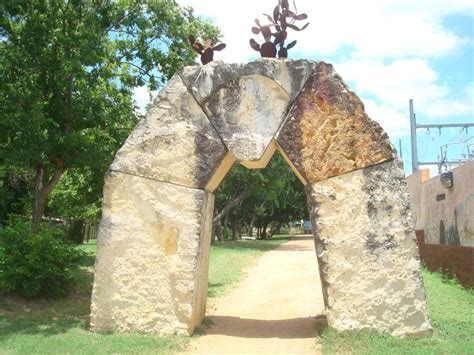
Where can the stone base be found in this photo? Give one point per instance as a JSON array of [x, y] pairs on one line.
[[152, 262], [369, 262]]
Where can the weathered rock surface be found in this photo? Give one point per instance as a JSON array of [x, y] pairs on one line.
[[291, 75], [369, 261], [174, 143], [247, 113], [247, 102], [152, 260], [327, 132], [153, 252]]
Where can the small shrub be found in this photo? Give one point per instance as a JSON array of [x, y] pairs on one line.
[[36, 264], [74, 233]]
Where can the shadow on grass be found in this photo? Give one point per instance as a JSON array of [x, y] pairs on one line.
[[252, 245], [267, 244], [49, 316], [213, 288], [88, 260]]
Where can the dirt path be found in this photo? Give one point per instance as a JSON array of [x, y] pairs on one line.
[[273, 310]]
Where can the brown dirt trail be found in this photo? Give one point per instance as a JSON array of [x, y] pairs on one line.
[[273, 311]]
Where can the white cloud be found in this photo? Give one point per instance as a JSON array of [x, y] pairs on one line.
[[373, 28], [397, 82], [142, 96], [394, 122], [388, 46], [394, 83], [450, 108]]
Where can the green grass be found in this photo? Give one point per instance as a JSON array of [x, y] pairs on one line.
[[451, 309], [60, 326]]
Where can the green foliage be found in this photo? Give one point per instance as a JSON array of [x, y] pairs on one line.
[[276, 195], [74, 234], [77, 195], [67, 71], [32, 265], [14, 193]]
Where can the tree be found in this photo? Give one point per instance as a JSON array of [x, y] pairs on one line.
[[271, 196], [67, 69], [14, 193]]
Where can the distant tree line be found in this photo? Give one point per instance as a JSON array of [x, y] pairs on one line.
[[259, 201]]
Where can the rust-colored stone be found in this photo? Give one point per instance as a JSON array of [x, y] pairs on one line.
[[327, 132]]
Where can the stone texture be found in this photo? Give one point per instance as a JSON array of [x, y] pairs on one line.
[[366, 248], [152, 260], [291, 75], [153, 248], [174, 143], [247, 113], [327, 132]]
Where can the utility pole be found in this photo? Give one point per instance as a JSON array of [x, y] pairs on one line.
[[414, 152]]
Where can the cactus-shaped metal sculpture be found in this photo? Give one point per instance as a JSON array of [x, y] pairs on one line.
[[207, 50], [283, 19]]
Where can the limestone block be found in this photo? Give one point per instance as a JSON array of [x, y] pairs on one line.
[[327, 133], [291, 75], [151, 272], [369, 261], [247, 113], [174, 143]]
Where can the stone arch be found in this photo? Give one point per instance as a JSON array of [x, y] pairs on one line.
[[153, 253]]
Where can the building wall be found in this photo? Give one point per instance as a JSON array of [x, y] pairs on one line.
[[455, 259], [446, 215]]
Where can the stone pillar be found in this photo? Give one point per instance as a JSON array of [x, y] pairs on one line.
[[153, 244], [358, 202], [365, 243], [152, 261]]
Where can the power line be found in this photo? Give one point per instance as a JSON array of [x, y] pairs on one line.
[[443, 157]]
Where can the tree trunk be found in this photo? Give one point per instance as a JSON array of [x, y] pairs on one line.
[[275, 229], [263, 234], [219, 233], [225, 224], [234, 227], [250, 230], [77, 229], [278, 228], [43, 186], [228, 207], [239, 229]]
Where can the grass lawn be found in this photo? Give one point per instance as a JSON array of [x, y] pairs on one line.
[[452, 312], [59, 326]]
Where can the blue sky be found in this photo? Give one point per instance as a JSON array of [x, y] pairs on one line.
[[388, 51]]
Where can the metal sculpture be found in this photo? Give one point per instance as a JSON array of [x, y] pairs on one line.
[[283, 19], [207, 50]]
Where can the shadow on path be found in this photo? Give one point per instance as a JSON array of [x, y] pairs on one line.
[[295, 328], [295, 244]]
